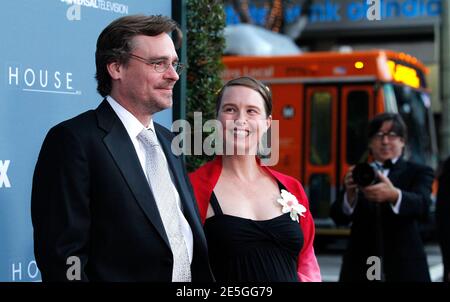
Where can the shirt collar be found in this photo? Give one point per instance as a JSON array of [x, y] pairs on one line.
[[131, 123], [393, 160]]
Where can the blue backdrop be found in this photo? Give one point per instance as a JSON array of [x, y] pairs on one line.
[[47, 75]]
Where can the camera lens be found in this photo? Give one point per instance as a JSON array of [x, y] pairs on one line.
[[364, 175]]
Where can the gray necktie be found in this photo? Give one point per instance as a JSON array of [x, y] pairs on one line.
[[160, 182]]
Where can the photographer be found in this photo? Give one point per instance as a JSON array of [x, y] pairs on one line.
[[385, 211]]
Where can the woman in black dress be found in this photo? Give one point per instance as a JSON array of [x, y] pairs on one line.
[[257, 221]]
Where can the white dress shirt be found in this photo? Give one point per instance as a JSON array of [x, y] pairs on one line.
[[134, 127], [348, 209]]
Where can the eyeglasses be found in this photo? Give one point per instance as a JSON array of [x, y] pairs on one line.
[[160, 66], [390, 135]]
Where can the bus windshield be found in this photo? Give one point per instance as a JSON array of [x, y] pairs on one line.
[[415, 108]]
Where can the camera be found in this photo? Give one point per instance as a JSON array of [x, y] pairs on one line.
[[365, 175]]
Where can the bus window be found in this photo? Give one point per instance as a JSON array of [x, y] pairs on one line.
[[357, 123], [320, 139], [415, 110], [389, 98], [319, 192]]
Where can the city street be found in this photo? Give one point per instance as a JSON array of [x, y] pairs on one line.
[[330, 260]]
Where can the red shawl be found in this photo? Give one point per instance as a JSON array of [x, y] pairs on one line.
[[205, 179]]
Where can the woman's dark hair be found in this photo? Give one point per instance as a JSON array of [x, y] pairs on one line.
[[252, 83], [398, 125], [115, 42]]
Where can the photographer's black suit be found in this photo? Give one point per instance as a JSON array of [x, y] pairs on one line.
[[91, 199], [402, 251], [443, 217]]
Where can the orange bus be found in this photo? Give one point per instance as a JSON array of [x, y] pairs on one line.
[[323, 102]]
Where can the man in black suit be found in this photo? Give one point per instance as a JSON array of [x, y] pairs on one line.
[[385, 216], [94, 206], [443, 217]]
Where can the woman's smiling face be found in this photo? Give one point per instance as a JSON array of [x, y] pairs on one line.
[[244, 119]]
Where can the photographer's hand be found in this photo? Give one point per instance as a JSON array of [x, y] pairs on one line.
[[350, 187], [384, 191]]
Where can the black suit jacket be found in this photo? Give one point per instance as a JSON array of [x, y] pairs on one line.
[[394, 237], [90, 199], [443, 217]]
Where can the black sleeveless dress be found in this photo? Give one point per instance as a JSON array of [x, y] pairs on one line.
[[242, 249]]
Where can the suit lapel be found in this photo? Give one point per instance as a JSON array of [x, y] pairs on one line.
[[122, 150], [396, 171]]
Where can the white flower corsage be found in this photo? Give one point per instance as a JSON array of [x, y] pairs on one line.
[[291, 204]]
